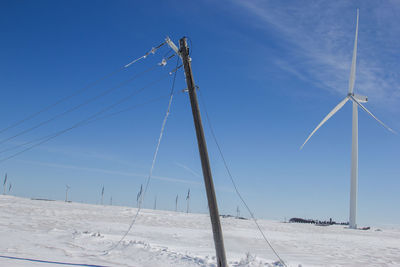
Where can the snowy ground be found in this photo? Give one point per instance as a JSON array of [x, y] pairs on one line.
[[81, 233]]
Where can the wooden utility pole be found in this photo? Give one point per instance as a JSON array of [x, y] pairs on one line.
[[205, 163]]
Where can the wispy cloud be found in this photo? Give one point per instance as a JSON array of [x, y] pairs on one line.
[[319, 36], [128, 174], [188, 169], [76, 152], [113, 172]]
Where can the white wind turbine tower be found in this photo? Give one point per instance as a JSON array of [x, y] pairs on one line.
[[357, 100]]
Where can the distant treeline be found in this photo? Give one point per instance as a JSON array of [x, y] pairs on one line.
[[231, 216], [330, 222], [42, 199]]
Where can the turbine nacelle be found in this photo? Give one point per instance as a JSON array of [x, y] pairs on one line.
[[359, 98]]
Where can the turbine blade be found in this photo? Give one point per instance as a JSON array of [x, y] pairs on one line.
[[372, 115], [353, 61], [333, 111]]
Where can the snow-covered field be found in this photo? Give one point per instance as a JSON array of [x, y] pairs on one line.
[[81, 234]]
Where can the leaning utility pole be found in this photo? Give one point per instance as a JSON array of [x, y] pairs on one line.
[[205, 163]]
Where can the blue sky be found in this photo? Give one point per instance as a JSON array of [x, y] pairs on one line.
[[269, 72]]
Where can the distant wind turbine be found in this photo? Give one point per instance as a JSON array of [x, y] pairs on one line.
[[102, 195], [188, 200], [67, 187], [176, 203], [4, 184], [357, 100]]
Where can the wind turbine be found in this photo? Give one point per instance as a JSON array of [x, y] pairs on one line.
[[188, 200], [67, 187], [102, 195], [357, 100], [4, 184]]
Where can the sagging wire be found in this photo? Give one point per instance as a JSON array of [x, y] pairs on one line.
[[142, 195], [234, 183], [90, 85], [90, 100], [85, 121]]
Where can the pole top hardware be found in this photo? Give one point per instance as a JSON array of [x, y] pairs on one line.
[[172, 46]]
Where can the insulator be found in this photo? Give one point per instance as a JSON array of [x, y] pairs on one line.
[[163, 62]]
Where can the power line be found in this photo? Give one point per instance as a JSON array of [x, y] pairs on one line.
[[168, 52], [152, 51], [68, 129], [141, 199], [234, 183], [81, 104], [134, 107], [83, 122], [91, 121], [102, 78]]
